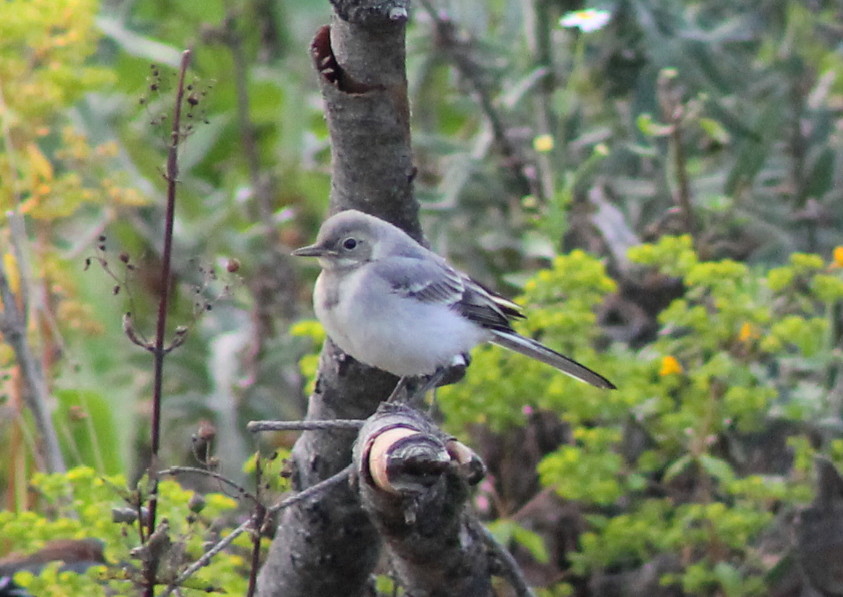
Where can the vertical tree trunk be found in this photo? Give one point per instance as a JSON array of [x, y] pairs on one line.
[[328, 547]]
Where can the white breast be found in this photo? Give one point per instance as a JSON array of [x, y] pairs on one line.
[[400, 335]]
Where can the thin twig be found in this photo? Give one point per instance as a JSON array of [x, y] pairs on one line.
[[673, 112], [251, 524], [179, 470], [258, 517], [207, 556], [469, 70], [330, 425], [13, 318], [313, 490], [544, 117], [508, 566]]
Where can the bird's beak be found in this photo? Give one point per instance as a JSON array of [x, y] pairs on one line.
[[312, 251]]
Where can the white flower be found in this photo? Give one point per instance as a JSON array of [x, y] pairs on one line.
[[587, 20]]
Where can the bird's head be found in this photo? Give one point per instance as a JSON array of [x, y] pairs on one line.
[[348, 239]]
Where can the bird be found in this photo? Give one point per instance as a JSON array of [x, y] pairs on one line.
[[393, 304]]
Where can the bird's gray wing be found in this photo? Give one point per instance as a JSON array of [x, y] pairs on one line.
[[432, 280]]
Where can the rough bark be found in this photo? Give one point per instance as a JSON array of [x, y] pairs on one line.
[[328, 546], [364, 84], [819, 534], [413, 482]]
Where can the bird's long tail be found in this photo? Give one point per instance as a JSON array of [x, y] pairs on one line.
[[533, 349]]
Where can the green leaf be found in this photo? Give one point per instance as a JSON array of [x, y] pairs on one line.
[[138, 45], [91, 435], [650, 127], [506, 530], [716, 467], [532, 542], [715, 130], [677, 467]]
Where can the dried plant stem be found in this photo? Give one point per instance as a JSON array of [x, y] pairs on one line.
[[192, 470], [258, 518], [674, 113], [469, 67], [14, 316], [682, 196], [13, 328], [160, 352]]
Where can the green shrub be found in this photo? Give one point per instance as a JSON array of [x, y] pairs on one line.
[[79, 505], [741, 349]]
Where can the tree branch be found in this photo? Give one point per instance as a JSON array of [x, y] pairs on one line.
[[413, 482], [13, 328]]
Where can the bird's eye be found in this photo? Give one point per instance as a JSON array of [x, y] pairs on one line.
[[349, 244]]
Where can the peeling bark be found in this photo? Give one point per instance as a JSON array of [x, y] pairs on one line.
[[413, 482]]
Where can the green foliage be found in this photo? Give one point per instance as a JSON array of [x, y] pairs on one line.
[[309, 362], [741, 348], [586, 470], [507, 531], [88, 422], [504, 388], [53, 581], [44, 46], [79, 505]]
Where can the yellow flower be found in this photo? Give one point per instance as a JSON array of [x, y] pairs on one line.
[[529, 201], [670, 366], [747, 332], [837, 260], [543, 143]]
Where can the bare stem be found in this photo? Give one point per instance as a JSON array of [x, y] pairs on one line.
[[159, 352], [192, 470], [258, 517], [673, 112], [680, 165], [461, 56]]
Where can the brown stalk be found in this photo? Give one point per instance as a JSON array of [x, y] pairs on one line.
[[159, 351]]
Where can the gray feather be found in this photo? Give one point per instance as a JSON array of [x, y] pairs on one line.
[[533, 349]]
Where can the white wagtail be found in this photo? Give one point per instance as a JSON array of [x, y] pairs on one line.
[[392, 304]]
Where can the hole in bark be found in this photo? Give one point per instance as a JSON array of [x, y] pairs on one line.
[[328, 67]]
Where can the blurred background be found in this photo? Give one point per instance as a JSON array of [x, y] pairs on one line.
[[658, 180]]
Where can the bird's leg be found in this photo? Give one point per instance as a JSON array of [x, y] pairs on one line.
[[408, 391], [451, 373], [417, 395], [395, 396]]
